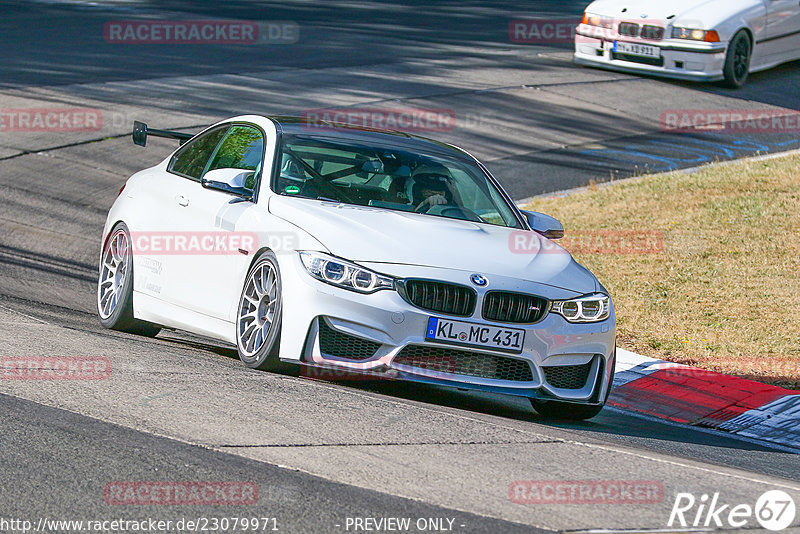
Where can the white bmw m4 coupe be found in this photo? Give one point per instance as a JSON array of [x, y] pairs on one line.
[[375, 252]]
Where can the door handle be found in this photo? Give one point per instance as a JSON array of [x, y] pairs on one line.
[[182, 200]]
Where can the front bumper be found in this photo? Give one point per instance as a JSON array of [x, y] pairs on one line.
[[680, 60], [391, 328]]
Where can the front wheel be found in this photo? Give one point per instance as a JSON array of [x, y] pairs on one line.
[[737, 61], [115, 286], [258, 324]]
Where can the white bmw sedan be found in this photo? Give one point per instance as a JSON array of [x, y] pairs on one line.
[[710, 40], [375, 252]]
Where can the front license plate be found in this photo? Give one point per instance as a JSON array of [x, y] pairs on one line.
[[475, 335], [634, 49]]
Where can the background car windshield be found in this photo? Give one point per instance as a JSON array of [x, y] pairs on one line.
[[381, 177]]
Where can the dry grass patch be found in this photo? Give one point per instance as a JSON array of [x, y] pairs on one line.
[[724, 293]]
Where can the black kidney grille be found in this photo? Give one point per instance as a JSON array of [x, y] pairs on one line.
[[341, 345], [629, 28], [508, 307], [441, 297], [654, 33], [435, 360], [568, 376]]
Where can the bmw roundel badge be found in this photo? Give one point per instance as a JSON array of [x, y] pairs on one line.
[[479, 280]]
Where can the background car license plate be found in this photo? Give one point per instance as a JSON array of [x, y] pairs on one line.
[[635, 49], [475, 335]]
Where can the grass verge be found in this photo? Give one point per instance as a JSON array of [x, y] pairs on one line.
[[703, 268]]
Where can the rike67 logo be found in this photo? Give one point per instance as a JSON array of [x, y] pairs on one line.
[[774, 510]]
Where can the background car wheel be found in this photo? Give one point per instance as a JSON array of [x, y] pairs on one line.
[[258, 324], [737, 62], [565, 410], [115, 286]]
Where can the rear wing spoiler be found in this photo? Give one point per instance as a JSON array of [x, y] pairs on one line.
[[141, 131]]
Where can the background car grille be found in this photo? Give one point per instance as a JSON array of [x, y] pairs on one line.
[[441, 297], [628, 28], [654, 33], [568, 376], [510, 307], [341, 345], [648, 31], [462, 362]]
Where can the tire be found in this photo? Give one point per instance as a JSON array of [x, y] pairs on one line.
[[259, 315], [737, 61], [115, 286]]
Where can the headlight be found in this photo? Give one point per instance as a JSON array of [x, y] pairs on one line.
[[597, 20], [588, 309], [341, 273], [709, 36]]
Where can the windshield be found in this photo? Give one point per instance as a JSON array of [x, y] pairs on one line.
[[371, 175]]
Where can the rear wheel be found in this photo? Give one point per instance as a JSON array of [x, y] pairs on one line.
[[258, 324], [737, 62], [115, 286]]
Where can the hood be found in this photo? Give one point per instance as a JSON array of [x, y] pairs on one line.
[[664, 12], [374, 235]]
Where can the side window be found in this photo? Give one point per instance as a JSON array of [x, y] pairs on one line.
[[242, 148], [192, 159]]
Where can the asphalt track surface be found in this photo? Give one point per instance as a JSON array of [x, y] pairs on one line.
[[179, 408]]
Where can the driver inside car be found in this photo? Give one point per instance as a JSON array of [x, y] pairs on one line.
[[433, 186]]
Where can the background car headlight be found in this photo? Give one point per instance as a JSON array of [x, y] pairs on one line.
[[341, 273], [709, 36], [597, 20], [588, 309]]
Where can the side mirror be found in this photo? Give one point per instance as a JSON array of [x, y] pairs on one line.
[[232, 181], [550, 227]]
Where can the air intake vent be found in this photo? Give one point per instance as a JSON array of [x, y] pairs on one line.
[[463, 362], [440, 297], [510, 307], [341, 345], [567, 376]]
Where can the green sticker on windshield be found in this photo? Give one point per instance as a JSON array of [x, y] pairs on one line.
[[291, 189]]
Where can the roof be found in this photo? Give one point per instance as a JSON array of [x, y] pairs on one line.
[[389, 138]]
